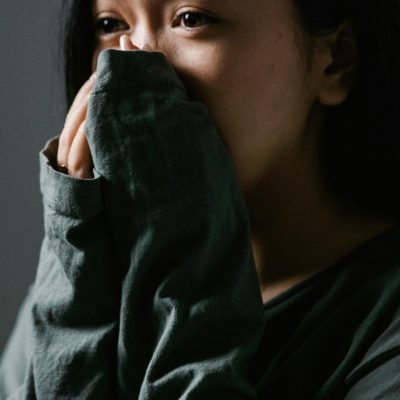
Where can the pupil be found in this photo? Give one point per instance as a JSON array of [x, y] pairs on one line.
[[106, 25], [190, 19]]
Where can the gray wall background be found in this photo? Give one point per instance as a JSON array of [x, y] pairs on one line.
[[31, 111]]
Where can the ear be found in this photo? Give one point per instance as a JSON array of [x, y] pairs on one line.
[[338, 65]]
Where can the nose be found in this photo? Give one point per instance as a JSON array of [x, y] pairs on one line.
[[141, 36], [125, 43]]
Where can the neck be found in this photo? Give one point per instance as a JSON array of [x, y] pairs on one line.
[[299, 227], [286, 254]]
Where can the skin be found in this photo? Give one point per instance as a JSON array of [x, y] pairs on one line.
[[268, 104]]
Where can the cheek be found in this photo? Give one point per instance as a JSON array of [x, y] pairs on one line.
[[255, 99], [259, 102], [255, 95]]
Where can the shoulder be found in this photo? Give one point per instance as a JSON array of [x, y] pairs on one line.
[[377, 376]]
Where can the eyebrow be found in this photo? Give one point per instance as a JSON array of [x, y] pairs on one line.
[[110, 2], [153, 1], [124, 3]]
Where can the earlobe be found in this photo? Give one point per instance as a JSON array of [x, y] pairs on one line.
[[340, 69]]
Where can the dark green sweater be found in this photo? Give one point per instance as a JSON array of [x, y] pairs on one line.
[[337, 333], [146, 285]]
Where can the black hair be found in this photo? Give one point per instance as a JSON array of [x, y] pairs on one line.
[[360, 143], [78, 38]]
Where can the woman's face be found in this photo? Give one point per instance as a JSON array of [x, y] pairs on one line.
[[242, 58]]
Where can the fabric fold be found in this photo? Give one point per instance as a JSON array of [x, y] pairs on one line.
[[181, 234], [146, 277]]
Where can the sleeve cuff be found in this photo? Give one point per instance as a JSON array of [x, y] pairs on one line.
[[67, 194], [129, 73]]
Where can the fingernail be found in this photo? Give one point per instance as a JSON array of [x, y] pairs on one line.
[[124, 42]]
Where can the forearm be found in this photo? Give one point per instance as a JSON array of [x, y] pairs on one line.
[[76, 294], [180, 230]]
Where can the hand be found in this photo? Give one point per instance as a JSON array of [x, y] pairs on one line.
[[73, 156]]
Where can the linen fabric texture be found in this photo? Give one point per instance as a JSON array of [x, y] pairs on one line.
[[146, 286]]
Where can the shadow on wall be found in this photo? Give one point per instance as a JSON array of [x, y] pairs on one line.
[[31, 111]]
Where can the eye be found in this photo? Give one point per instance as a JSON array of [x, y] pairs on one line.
[[108, 25], [193, 20]]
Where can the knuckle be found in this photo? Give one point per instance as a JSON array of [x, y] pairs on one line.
[[77, 163], [81, 130], [81, 172], [62, 156], [80, 98], [81, 103], [62, 150], [74, 169], [64, 135], [76, 173], [67, 128]]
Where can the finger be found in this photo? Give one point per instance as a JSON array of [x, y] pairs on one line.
[[75, 117], [125, 43], [82, 94], [68, 134], [79, 158]]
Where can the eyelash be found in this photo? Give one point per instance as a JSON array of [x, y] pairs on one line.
[[100, 28], [209, 20], [179, 18]]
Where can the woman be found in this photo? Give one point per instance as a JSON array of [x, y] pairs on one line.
[[303, 96]]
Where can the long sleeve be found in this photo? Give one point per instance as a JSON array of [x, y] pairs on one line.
[[191, 310], [16, 356], [76, 295], [146, 286]]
